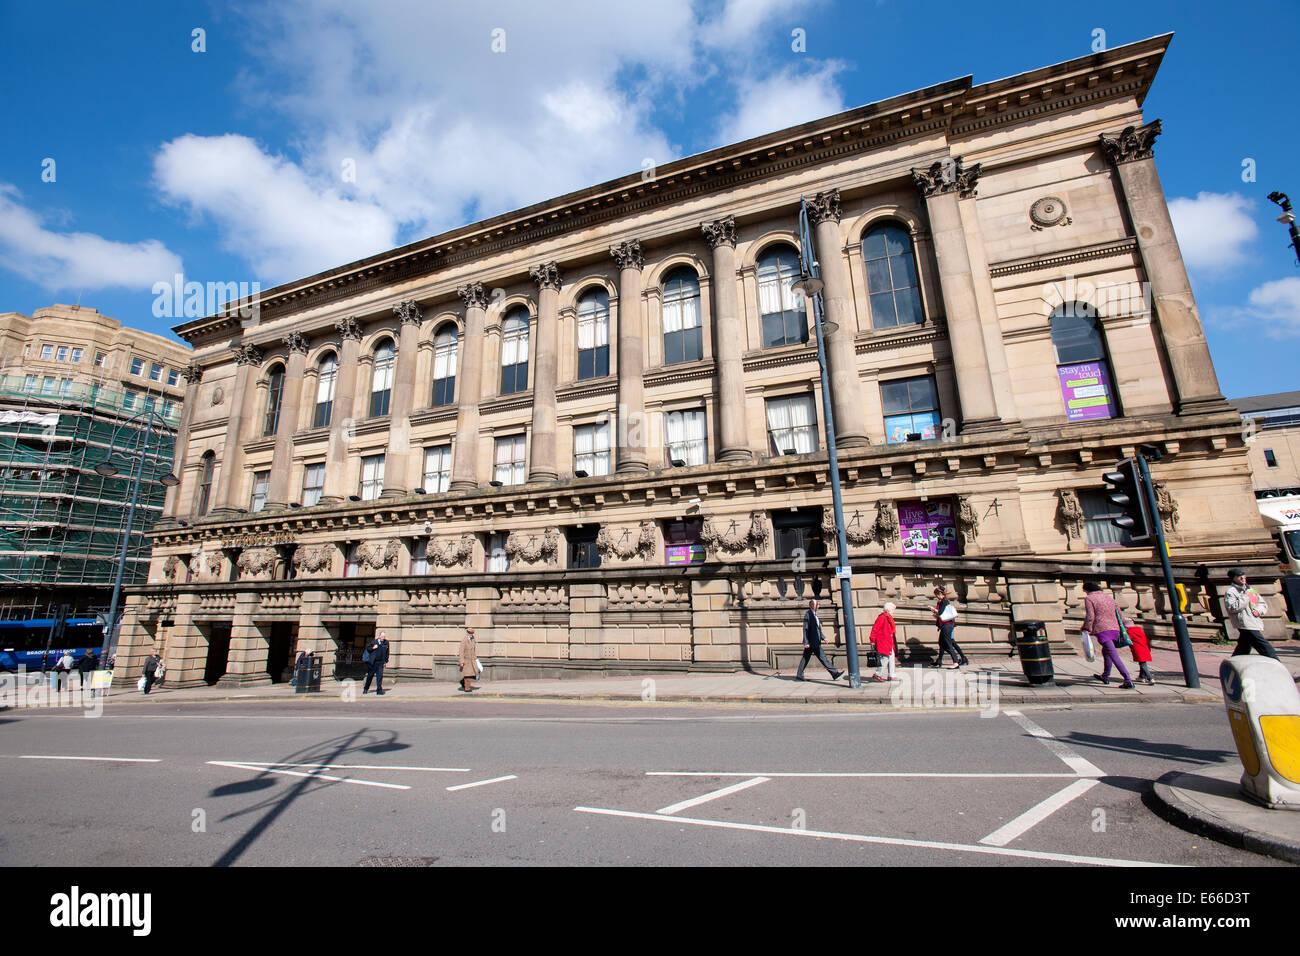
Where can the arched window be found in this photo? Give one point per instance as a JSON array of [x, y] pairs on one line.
[[444, 365], [514, 352], [1081, 363], [328, 374], [784, 319], [891, 277], [381, 379], [683, 340], [205, 483], [275, 392], [593, 334]]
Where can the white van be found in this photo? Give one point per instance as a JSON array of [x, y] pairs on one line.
[[1282, 518]]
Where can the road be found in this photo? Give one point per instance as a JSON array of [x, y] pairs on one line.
[[468, 782]]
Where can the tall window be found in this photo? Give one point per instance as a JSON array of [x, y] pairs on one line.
[[784, 320], [791, 425], [261, 481], [509, 468], [437, 469], [1081, 363], [911, 408], [205, 482], [798, 533], [444, 365], [372, 477], [137, 366], [420, 556], [686, 437], [591, 448], [683, 338], [326, 380], [352, 562], [313, 484], [495, 558], [274, 393], [593, 334], [173, 375], [155, 372], [891, 277], [583, 550], [381, 379], [514, 352]]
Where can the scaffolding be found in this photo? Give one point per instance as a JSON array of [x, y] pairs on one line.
[[61, 524]]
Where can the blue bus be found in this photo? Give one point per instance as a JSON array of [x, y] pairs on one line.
[[22, 642]]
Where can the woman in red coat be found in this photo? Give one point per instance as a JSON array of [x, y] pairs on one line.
[[1141, 650], [883, 634]]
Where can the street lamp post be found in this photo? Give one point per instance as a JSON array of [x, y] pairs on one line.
[[811, 285]]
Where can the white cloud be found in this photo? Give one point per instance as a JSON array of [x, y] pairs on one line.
[[1276, 306], [1213, 229], [786, 99], [76, 260]]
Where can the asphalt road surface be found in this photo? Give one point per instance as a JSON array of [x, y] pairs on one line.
[[466, 782]]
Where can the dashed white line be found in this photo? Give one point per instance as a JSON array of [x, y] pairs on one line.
[[108, 759], [1037, 814], [484, 783], [1078, 764], [713, 795]]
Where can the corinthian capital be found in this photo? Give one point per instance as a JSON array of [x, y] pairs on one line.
[[408, 312], [1133, 143], [349, 328], [720, 232], [948, 176], [192, 373], [296, 342], [247, 355], [547, 276], [824, 206], [473, 295], [628, 254]]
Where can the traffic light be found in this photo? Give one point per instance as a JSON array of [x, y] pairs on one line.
[[1126, 491]]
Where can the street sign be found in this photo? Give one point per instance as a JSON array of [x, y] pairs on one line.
[[843, 573]]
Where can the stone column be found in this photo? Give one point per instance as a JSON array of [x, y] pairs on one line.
[[469, 382], [192, 375], [942, 185], [277, 494], [342, 423], [1179, 321], [631, 438], [542, 464], [398, 456], [837, 298], [728, 342], [247, 360]]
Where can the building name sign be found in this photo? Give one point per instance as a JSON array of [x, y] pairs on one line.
[[259, 540]]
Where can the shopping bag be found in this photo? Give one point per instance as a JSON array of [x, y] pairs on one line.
[[478, 666], [1089, 651], [139, 685]]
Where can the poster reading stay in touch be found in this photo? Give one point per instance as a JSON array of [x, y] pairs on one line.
[[1086, 390]]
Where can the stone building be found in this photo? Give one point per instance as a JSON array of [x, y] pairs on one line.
[[593, 428], [1272, 426]]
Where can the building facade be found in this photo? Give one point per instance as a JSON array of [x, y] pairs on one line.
[[1272, 426], [73, 386], [594, 428]]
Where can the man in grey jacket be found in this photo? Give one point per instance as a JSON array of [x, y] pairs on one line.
[[1247, 608], [812, 643]]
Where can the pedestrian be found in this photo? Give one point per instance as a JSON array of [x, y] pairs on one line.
[[945, 617], [297, 668], [1102, 619], [63, 670], [1247, 609], [378, 651], [152, 665], [1141, 650], [812, 643], [467, 658], [884, 633], [86, 667]]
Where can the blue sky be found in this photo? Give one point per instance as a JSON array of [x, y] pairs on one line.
[[308, 134]]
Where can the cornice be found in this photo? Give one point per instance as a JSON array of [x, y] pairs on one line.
[[605, 385], [1050, 260]]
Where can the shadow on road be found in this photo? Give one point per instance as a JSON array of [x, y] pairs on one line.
[[1147, 748]]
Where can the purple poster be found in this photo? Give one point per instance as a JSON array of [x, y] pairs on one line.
[[1086, 391], [928, 528]]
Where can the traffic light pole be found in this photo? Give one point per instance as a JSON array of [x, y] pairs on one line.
[[1190, 675]]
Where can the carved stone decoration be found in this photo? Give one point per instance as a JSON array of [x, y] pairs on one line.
[[312, 559], [628, 254], [295, 342], [534, 549], [1134, 143], [247, 355], [1071, 513], [886, 524], [192, 373], [720, 232], [968, 521], [731, 541], [205, 566], [473, 295], [172, 569], [946, 177], [547, 276], [854, 531], [1167, 507], [408, 313], [256, 562], [1048, 211], [349, 328], [378, 555], [644, 547], [454, 553], [824, 206], [218, 395]]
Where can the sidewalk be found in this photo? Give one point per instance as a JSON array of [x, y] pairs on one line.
[[1211, 802]]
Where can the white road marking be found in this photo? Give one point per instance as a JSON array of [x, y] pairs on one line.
[[1037, 814], [483, 783], [109, 759], [1078, 764], [713, 795], [352, 766], [313, 776], [848, 774], [886, 841]]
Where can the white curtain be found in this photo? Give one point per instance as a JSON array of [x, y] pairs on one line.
[[328, 376], [792, 423], [776, 278], [514, 347], [593, 323], [686, 436], [444, 358], [510, 460]]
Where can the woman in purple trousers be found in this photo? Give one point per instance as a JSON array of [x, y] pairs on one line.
[[1101, 618]]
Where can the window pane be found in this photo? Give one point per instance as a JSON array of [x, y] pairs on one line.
[[908, 302], [878, 278], [893, 397]]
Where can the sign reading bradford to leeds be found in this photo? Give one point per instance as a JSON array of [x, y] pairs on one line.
[[258, 540]]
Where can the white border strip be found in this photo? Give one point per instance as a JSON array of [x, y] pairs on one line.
[[350, 766], [714, 795], [1078, 764], [484, 783], [313, 776], [847, 774], [1037, 814], [108, 759]]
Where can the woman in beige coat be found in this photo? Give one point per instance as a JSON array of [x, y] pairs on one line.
[[466, 657]]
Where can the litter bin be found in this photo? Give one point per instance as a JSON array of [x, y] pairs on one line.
[[307, 676], [1035, 655]]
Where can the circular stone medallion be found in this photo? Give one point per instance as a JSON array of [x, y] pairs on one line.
[[1047, 211]]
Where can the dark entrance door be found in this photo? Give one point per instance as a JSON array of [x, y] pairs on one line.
[[352, 640], [218, 651], [280, 653]]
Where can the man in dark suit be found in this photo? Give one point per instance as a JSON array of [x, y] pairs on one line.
[[378, 649], [812, 643]]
